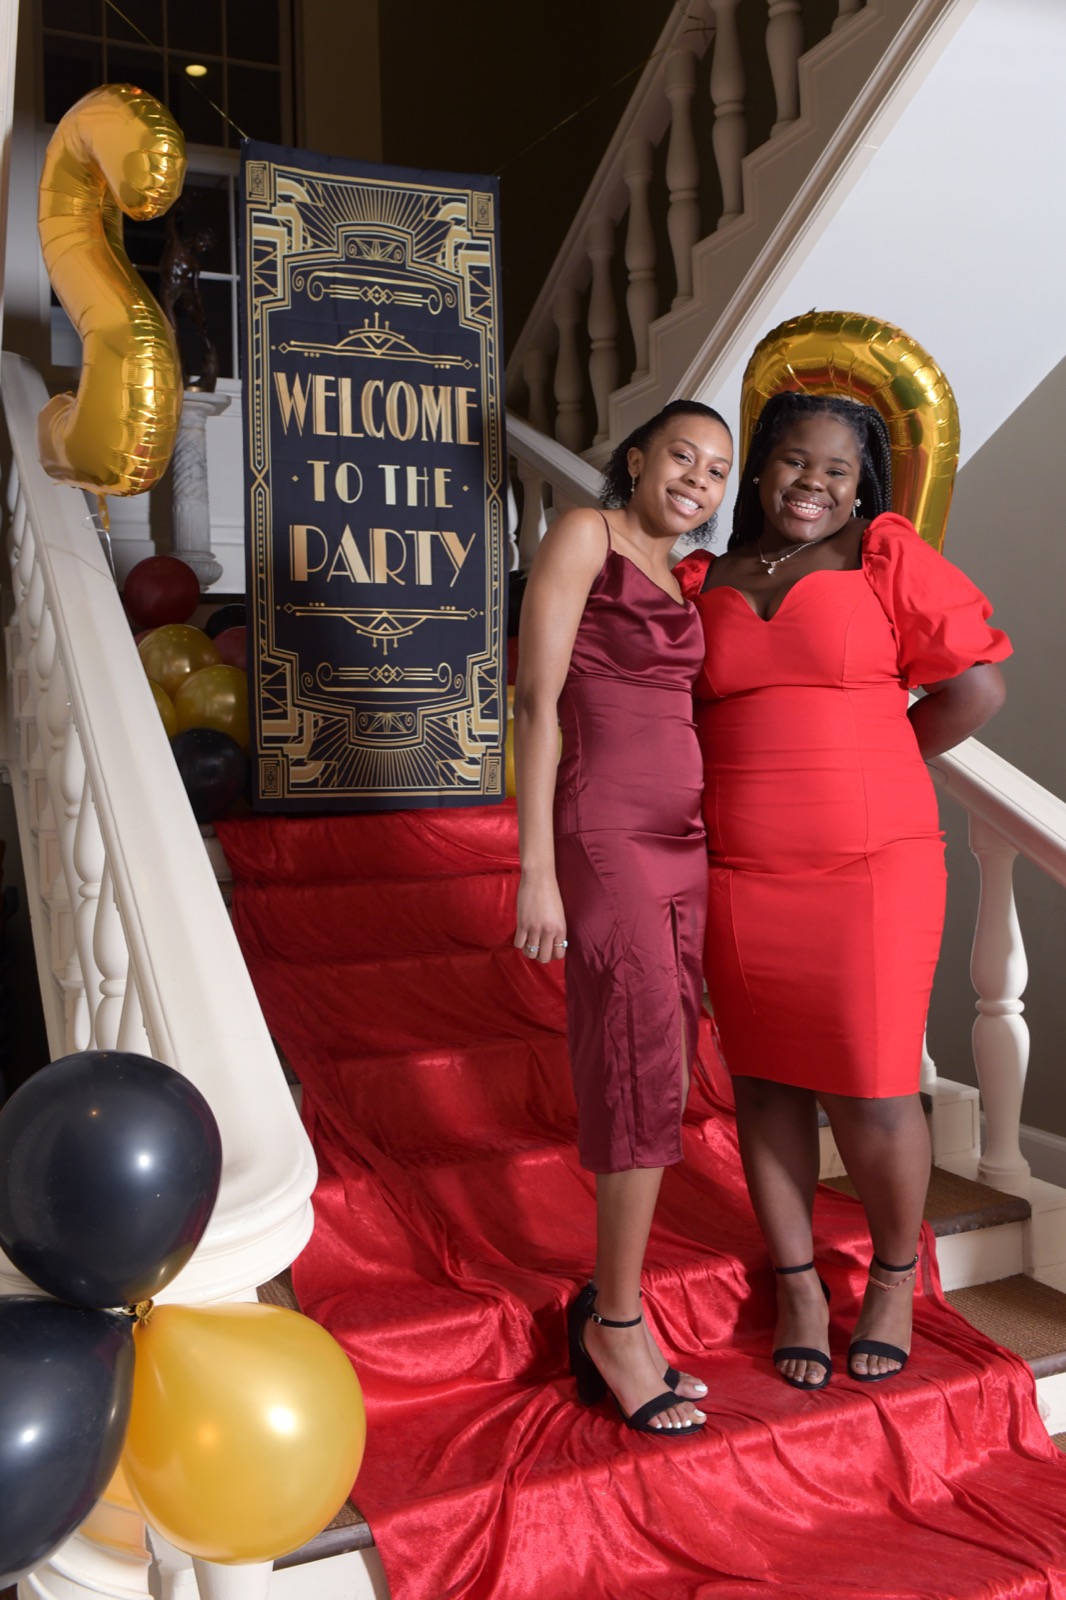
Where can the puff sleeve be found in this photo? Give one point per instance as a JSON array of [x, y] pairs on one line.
[[691, 572], [939, 618]]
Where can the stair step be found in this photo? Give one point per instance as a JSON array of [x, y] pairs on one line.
[[1022, 1314], [959, 1205]]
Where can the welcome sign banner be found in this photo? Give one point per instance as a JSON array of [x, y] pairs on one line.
[[375, 466]]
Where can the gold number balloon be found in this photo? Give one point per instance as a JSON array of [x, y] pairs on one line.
[[116, 149], [246, 1430], [846, 353]]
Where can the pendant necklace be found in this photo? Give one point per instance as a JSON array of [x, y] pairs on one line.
[[771, 564]]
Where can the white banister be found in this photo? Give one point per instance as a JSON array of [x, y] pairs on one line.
[[728, 88], [569, 421], [999, 971], [682, 170]]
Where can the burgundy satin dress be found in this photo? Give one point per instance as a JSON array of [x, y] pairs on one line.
[[631, 863]]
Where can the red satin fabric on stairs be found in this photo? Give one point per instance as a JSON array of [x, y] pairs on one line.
[[453, 1223]]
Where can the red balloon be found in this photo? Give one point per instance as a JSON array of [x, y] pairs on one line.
[[232, 647], [161, 589]]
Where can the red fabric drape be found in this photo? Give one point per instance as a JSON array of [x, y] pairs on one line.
[[453, 1224]]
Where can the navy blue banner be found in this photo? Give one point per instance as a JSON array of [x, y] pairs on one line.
[[375, 470]]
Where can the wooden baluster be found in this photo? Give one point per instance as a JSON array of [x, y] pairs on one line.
[[132, 1033], [999, 972], [728, 88], [112, 959], [602, 323], [641, 296], [846, 9], [57, 716], [535, 372], [784, 46], [927, 1081], [682, 169], [89, 868], [513, 560], [569, 418]]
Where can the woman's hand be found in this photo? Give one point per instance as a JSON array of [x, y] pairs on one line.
[[541, 931]]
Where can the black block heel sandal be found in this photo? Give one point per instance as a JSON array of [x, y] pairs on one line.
[[802, 1352], [592, 1386], [877, 1347]]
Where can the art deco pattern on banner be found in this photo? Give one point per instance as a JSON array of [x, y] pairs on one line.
[[375, 480]]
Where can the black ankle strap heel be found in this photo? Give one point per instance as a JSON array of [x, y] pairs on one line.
[[802, 1352]]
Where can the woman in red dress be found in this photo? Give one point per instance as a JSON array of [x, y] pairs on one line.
[[826, 860], [614, 863]]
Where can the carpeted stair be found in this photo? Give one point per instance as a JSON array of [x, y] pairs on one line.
[[453, 1224]]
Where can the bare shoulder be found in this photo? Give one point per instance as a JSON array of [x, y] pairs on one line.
[[576, 543]]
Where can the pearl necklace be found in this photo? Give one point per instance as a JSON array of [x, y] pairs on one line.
[[771, 564]]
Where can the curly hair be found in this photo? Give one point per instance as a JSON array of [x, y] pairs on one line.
[[781, 412], [617, 488]]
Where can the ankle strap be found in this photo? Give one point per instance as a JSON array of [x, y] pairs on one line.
[[908, 1266], [605, 1322], [808, 1266], [906, 1274]]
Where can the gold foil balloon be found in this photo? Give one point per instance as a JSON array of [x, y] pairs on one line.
[[116, 149], [215, 697], [846, 353], [173, 653], [246, 1432], [165, 706]]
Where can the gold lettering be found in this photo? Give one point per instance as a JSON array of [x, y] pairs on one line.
[[457, 552], [440, 485], [324, 390], [465, 401], [348, 561], [423, 538], [417, 486], [341, 483], [390, 472], [318, 478], [401, 391], [299, 562], [437, 412], [292, 402], [379, 559], [368, 408], [344, 394]]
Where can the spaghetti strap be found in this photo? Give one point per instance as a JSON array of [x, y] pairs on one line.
[[607, 526]]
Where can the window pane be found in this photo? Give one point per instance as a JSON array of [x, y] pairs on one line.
[[254, 102], [190, 101], [144, 246], [71, 69], [252, 30], [144, 15], [205, 207], [142, 68], [77, 16], [195, 27], [218, 314]]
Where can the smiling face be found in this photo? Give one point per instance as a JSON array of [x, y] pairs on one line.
[[808, 483], [681, 473]]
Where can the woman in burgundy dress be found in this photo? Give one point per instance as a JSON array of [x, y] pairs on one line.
[[614, 865], [826, 863]]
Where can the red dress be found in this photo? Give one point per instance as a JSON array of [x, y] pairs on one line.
[[631, 863], [826, 860]]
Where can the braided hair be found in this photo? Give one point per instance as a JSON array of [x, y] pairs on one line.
[[616, 490], [780, 413]]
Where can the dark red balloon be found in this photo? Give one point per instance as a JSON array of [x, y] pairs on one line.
[[232, 647], [161, 589]]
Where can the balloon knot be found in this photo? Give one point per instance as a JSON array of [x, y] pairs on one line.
[[142, 1311]]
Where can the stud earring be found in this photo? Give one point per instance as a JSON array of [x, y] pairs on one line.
[[633, 485], [754, 480], [855, 508]]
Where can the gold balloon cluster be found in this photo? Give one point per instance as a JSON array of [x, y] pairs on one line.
[[117, 149], [192, 686], [846, 353]]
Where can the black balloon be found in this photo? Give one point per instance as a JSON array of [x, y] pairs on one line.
[[225, 617], [109, 1169], [213, 768], [66, 1379]]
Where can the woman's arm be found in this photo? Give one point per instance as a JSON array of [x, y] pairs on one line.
[[571, 554], [954, 709]]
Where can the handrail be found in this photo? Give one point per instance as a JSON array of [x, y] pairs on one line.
[[1027, 816], [99, 784]]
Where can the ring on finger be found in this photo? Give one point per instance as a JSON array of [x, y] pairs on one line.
[[531, 949]]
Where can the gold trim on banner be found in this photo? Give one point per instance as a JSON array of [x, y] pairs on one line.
[[377, 728]]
